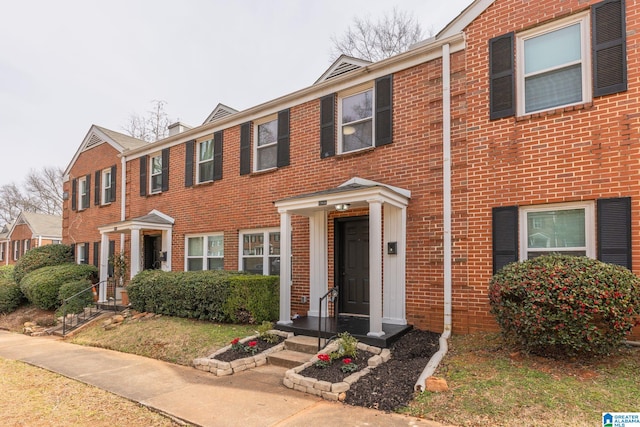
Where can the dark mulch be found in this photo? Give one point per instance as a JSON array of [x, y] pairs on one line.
[[333, 373], [231, 355], [390, 386]]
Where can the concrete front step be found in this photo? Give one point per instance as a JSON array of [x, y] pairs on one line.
[[302, 344], [288, 358]]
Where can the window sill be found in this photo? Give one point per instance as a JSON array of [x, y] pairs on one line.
[[356, 152], [264, 171], [556, 111], [203, 184]]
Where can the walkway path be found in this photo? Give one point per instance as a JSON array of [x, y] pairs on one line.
[[250, 398]]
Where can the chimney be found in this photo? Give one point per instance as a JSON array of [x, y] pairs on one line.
[[177, 127]]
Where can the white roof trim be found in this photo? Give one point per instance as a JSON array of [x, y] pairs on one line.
[[89, 142], [368, 182], [465, 18], [343, 65]]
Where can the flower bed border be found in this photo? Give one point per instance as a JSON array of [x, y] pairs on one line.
[[333, 391], [220, 368]]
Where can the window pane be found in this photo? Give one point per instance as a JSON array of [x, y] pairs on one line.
[[206, 150], [215, 263], [361, 136], [556, 229], [205, 171], [552, 49], [194, 264], [252, 244], [357, 107], [267, 157], [560, 87], [274, 266], [156, 165], [194, 246], [268, 133], [215, 246], [274, 243], [156, 183], [252, 265]]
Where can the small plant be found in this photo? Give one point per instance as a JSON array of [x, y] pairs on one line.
[[235, 345], [251, 347], [324, 361], [347, 345], [120, 268], [348, 365], [265, 335]]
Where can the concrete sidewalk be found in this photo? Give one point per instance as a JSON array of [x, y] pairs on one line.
[[250, 398]]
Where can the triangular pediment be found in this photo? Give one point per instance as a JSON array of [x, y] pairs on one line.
[[219, 112], [343, 65]]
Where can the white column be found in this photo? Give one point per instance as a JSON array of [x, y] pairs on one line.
[[135, 252], [166, 247], [393, 311], [375, 268], [318, 266], [285, 269], [104, 266]]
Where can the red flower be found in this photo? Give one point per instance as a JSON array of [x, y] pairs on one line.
[[324, 357], [235, 341], [346, 360], [253, 343]]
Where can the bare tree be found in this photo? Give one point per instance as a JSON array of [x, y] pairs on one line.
[[394, 33], [13, 201], [45, 187], [153, 126]]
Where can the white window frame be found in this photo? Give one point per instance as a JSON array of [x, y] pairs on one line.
[[81, 256], [205, 254], [106, 186], [585, 37], [16, 250], [347, 94], [199, 162], [152, 175], [589, 224], [26, 245], [2, 251], [266, 256], [256, 136], [83, 188]]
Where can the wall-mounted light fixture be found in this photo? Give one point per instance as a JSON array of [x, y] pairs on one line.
[[342, 207]]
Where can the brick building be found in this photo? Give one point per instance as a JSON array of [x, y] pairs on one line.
[[405, 182], [28, 230]]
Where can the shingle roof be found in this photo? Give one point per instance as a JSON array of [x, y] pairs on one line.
[[125, 141], [42, 224]]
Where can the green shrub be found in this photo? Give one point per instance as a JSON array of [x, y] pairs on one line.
[[220, 296], [42, 286], [80, 300], [6, 272], [42, 256], [10, 295], [565, 305]]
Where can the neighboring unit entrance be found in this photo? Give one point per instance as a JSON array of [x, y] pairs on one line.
[[352, 264], [152, 252]]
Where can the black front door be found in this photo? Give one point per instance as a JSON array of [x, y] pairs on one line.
[[152, 252], [352, 262]]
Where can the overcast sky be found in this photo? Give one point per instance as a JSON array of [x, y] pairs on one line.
[[65, 65]]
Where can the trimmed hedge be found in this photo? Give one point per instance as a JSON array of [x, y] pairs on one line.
[[10, 295], [6, 272], [77, 304], [42, 256], [219, 296], [42, 286], [565, 305]]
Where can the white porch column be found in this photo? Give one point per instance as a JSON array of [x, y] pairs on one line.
[[375, 268], [318, 265], [104, 266], [166, 247], [285, 269], [135, 252], [395, 230]]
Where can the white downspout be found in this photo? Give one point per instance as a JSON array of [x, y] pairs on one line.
[[123, 196], [446, 179]]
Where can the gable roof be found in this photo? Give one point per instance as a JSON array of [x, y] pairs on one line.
[[40, 224], [4, 231], [340, 66], [465, 17], [99, 135], [219, 112]]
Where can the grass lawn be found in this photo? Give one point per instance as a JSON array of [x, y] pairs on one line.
[[170, 339], [493, 385]]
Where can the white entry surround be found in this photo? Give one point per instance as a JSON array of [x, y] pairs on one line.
[[387, 216]]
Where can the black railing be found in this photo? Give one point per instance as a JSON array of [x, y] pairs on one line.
[[79, 308], [332, 295]]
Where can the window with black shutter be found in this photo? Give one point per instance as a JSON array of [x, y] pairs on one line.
[[505, 236], [74, 194], [217, 155], [501, 77], [113, 183], [608, 32], [327, 126], [96, 188], [165, 169], [245, 148], [143, 175], [614, 231], [283, 138], [384, 110], [188, 163]]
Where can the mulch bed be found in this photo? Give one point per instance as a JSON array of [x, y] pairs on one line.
[[231, 355], [390, 386], [333, 373]]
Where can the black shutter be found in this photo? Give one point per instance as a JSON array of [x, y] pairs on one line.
[[609, 45], [74, 194], [73, 252], [188, 163], [283, 138], [96, 188], [165, 169], [217, 156], [114, 170], [112, 252], [96, 254], [501, 77], [384, 110], [19, 249], [86, 253], [614, 231], [245, 148], [87, 197], [327, 126], [505, 236], [143, 175]]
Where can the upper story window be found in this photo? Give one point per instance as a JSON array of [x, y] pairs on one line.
[[266, 146], [155, 173], [107, 189], [356, 121], [16, 250], [205, 161], [82, 253], [260, 251], [83, 192], [205, 252], [556, 70]]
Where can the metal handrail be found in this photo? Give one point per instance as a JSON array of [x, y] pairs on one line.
[[84, 316], [333, 294]]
